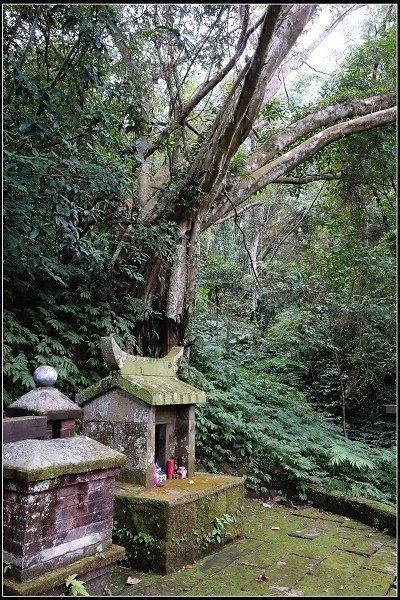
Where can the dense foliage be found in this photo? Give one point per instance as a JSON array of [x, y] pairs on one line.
[[255, 425], [69, 266]]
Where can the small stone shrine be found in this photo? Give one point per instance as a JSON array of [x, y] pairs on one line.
[[143, 410]]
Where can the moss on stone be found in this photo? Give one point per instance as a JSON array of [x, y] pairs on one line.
[[180, 516], [152, 389], [294, 566], [384, 560], [392, 592], [119, 587], [229, 582], [97, 389], [38, 460], [370, 512], [339, 563], [361, 583], [43, 584]]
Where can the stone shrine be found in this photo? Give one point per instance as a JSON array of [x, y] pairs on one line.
[[144, 411]]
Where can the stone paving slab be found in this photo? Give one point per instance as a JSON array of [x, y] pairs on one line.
[[308, 553]]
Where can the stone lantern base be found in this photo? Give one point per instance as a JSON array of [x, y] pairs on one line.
[[165, 528]]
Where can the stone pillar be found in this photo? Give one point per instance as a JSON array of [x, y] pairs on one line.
[[185, 432], [58, 508]]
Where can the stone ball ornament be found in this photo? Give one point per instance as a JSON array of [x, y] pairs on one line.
[[45, 376]]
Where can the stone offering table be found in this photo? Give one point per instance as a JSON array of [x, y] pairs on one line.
[[186, 518]]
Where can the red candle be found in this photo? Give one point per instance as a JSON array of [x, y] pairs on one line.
[[170, 468]]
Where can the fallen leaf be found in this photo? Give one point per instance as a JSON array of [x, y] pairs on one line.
[[133, 580], [275, 527], [188, 566]]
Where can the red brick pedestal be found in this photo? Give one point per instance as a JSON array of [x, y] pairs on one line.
[[58, 509]]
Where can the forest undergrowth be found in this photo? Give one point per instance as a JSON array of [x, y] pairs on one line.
[[257, 426]]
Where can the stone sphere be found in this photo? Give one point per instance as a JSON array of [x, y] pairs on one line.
[[45, 376]]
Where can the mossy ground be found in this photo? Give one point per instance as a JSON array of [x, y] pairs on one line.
[[313, 553]]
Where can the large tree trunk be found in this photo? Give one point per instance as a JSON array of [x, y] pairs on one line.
[[169, 290]]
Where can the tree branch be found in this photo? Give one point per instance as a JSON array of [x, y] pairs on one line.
[[309, 178], [286, 163], [271, 170], [293, 63], [241, 210], [295, 226], [244, 239], [201, 92], [315, 120]]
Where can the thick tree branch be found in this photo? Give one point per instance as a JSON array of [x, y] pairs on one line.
[[294, 62], [272, 170], [286, 163], [321, 118]]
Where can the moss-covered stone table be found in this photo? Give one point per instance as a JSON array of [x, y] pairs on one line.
[[164, 528]]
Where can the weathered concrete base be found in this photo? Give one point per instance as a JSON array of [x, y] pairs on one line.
[[377, 514], [94, 571], [371, 512], [165, 528]]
